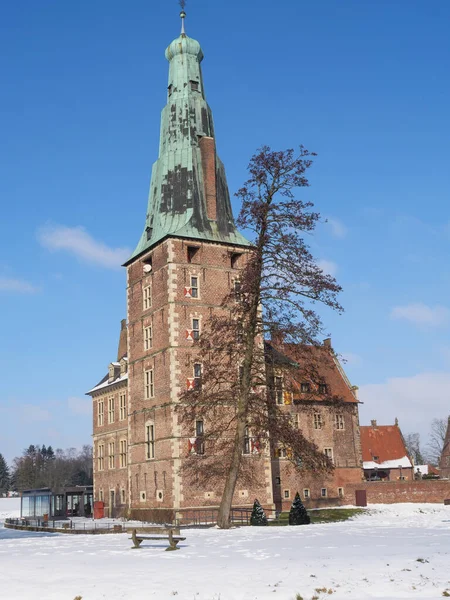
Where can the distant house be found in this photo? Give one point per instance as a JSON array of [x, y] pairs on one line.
[[384, 452], [425, 470], [444, 463]]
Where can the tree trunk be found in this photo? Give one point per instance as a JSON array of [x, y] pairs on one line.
[[224, 516]]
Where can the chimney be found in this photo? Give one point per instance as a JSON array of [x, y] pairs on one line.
[[327, 342], [373, 423], [208, 153], [123, 340]]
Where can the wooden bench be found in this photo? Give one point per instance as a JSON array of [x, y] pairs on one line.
[[171, 534]]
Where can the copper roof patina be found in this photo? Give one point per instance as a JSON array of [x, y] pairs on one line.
[[177, 204]]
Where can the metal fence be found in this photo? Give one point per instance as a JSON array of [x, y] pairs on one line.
[[66, 525]]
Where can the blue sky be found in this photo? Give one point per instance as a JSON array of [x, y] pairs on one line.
[[363, 84]]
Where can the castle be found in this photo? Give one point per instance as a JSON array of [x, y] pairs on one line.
[[187, 260]]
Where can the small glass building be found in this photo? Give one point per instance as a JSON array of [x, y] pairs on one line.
[[52, 504]]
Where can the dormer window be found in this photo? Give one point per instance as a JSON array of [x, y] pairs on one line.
[[149, 231], [170, 90], [191, 253], [194, 86]]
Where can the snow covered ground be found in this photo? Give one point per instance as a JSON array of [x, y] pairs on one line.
[[395, 551]]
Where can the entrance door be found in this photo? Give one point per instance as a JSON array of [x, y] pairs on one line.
[[111, 503]]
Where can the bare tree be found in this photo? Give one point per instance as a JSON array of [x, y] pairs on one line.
[[275, 296], [436, 440], [412, 442]]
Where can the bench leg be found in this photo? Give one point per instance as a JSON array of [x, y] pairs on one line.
[[173, 546], [172, 543], [137, 543]]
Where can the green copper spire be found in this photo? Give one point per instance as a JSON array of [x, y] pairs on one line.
[[189, 195]]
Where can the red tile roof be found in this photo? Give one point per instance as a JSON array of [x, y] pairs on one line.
[[316, 365], [381, 443]]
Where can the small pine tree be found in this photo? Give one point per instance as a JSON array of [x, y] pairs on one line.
[[298, 514], [258, 515], [5, 479]]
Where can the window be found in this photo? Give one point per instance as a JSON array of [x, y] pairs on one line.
[[247, 445], [147, 296], [281, 452], [278, 387], [148, 337], [318, 422], [149, 386], [237, 291], [323, 492], [195, 329], [100, 495], [194, 86], [149, 231], [122, 496], [122, 407], [305, 387], [287, 494], [323, 388], [111, 455], [101, 457], [170, 89], [192, 252], [101, 412], [197, 376], [339, 421], [306, 493], [234, 259], [194, 287], [328, 453], [111, 410], [341, 492], [123, 453], [199, 434], [278, 480], [150, 441]]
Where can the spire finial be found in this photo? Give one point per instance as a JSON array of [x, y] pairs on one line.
[[182, 15]]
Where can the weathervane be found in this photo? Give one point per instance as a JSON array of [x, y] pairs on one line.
[[182, 15]]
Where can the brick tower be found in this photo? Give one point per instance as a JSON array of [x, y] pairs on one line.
[[185, 263]]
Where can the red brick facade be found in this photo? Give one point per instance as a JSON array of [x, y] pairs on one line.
[[390, 492]]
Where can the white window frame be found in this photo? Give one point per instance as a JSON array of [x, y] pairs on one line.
[[199, 437], [341, 492], [150, 440], [123, 496], [195, 328], [122, 406], [196, 287], [318, 422], [111, 409], [147, 297], [101, 456], [339, 422], [329, 453], [101, 412], [149, 384], [148, 337], [324, 493], [306, 493], [111, 455], [278, 389], [123, 453], [198, 371]]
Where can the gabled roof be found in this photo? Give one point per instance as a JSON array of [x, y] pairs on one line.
[[383, 444], [314, 365]]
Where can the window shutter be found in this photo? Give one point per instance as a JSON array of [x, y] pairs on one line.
[[189, 335], [190, 383], [187, 292]]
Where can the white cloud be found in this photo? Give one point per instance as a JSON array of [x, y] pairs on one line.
[[16, 285], [77, 241], [80, 406], [338, 229], [422, 314], [415, 400], [328, 266]]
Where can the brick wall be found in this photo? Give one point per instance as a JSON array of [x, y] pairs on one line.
[[390, 492]]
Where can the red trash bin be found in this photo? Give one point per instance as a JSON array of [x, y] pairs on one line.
[[99, 509]]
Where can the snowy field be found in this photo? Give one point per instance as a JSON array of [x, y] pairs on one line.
[[397, 551]]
